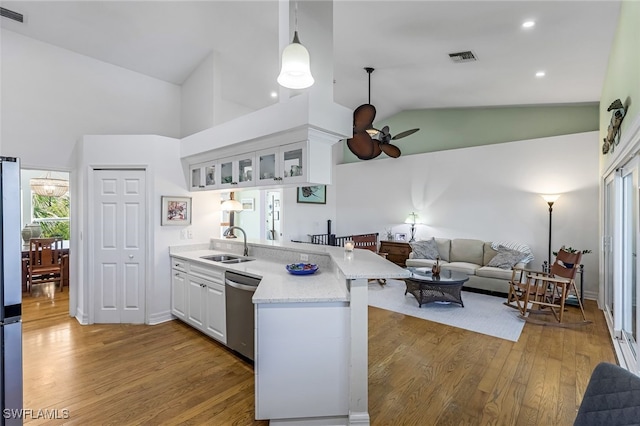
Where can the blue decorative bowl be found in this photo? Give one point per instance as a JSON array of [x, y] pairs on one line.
[[302, 268]]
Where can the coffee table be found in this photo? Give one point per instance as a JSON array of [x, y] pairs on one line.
[[444, 288]]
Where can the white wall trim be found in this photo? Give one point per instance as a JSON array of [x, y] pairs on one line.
[[160, 317], [81, 317]]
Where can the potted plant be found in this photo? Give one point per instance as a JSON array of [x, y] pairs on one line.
[[572, 250]]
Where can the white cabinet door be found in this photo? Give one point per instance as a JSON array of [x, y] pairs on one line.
[[268, 166], [216, 325], [293, 163], [237, 171], [196, 288], [299, 344], [204, 176], [179, 294]]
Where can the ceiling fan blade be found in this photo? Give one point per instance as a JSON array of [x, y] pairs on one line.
[[391, 150], [376, 149], [404, 134], [363, 118], [361, 145]]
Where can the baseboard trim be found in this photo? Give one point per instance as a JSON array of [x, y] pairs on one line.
[[159, 318], [81, 317]]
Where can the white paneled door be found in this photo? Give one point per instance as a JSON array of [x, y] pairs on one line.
[[119, 249]]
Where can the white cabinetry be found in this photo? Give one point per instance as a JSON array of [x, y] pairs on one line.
[[198, 297], [204, 176], [302, 340], [179, 289], [237, 171], [283, 164]]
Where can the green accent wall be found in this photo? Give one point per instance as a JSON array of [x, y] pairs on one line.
[[623, 73], [443, 129]]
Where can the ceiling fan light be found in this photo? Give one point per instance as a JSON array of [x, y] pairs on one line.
[[296, 70]]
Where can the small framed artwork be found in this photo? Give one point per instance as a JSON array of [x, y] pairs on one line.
[[312, 194], [247, 204], [176, 211], [401, 237]]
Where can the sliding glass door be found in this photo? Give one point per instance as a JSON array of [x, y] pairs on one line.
[[629, 262], [609, 198]]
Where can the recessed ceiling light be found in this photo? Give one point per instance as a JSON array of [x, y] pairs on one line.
[[528, 24], [274, 94], [540, 74]]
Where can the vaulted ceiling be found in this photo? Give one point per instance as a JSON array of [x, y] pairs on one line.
[[408, 42]]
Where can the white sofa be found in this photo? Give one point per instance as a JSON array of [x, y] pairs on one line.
[[471, 257]]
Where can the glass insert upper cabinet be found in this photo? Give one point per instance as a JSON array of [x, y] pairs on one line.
[[287, 163], [204, 176], [237, 171]]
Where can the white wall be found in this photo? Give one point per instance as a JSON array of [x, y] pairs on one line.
[[52, 96], [489, 193], [160, 156]]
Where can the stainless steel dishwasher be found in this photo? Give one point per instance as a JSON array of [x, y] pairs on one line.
[[239, 290]]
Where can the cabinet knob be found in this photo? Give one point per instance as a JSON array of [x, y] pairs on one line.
[[234, 183], [130, 256]]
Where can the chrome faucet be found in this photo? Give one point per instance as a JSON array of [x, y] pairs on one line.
[[244, 234]]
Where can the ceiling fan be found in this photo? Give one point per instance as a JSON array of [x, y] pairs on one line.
[[368, 142]]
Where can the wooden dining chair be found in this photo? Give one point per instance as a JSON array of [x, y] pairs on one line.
[[369, 242], [45, 262]]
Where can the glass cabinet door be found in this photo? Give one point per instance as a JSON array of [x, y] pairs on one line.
[[244, 171], [196, 178], [226, 172], [210, 178], [293, 164], [267, 166]]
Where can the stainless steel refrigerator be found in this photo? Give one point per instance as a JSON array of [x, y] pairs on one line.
[[10, 293]]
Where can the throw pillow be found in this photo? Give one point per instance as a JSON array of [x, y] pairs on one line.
[[506, 258], [522, 248], [427, 249]]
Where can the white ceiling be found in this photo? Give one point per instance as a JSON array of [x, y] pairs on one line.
[[406, 41]]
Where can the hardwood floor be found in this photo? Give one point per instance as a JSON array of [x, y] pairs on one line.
[[419, 372]]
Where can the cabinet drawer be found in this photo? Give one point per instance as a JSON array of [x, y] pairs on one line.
[[179, 265], [208, 273]]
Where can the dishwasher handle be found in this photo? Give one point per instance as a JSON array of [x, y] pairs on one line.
[[240, 286]]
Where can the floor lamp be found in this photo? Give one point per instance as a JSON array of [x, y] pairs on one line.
[[550, 199]]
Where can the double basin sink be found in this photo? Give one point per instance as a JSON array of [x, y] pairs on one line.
[[227, 258]]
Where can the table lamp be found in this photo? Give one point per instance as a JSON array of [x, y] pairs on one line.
[[412, 219]]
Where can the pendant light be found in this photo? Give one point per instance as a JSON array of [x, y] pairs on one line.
[[296, 71], [49, 187]]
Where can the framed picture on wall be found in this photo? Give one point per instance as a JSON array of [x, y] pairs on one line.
[[312, 194], [176, 211], [247, 204]]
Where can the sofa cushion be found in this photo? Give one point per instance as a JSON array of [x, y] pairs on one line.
[[444, 247], [465, 267], [421, 263], [427, 249], [464, 250], [506, 258], [492, 272], [489, 253]]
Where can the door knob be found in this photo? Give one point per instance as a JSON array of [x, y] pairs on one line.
[[130, 256]]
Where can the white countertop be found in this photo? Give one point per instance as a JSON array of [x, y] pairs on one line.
[[328, 284]]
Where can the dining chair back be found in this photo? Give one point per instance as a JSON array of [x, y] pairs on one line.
[[45, 262]]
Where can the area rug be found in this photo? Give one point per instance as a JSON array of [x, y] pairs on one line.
[[481, 313]]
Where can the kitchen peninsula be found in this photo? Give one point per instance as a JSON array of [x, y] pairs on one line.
[[311, 332]]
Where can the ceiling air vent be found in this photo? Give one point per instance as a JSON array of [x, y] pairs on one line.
[[467, 56], [10, 14]]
